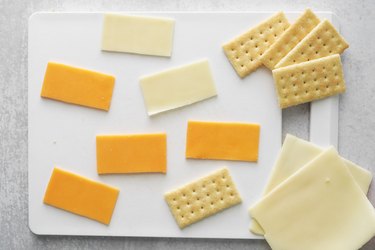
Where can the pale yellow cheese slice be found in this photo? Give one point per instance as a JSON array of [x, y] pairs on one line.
[[294, 154], [178, 87], [319, 207], [137, 34]]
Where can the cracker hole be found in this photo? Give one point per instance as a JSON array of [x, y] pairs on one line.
[[212, 203], [251, 38], [270, 27], [241, 65], [327, 86], [222, 199], [188, 203], [310, 45], [223, 177], [192, 212], [294, 60], [316, 52], [231, 194], [183, 195], [202, 208], [208, 195]]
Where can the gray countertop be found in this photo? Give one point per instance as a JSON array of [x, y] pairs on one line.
[[357, 110]]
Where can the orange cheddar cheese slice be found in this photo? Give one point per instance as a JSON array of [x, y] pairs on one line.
[[135, 153], [222, 141], [81, 196], [78, 86]]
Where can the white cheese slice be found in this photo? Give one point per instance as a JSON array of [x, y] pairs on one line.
[[177, 87], [319, 207], [294, 154], [136, 34]]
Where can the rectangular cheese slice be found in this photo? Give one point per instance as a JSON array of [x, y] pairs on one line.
[[222, 141], [177, 87], [134, 153], [323, 40], [296, 153], [81, 196], [289, 39], [78, 86], [203, 198], [138, 34], [318, 207]]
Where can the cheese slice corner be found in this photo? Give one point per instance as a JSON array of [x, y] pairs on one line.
[[321, 200]]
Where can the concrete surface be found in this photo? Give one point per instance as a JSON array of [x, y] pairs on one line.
[[357, 110]]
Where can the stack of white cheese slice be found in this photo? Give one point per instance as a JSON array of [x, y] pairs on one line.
[[314, 199]]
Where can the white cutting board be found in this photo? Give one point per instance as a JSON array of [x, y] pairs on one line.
[[64, 135]]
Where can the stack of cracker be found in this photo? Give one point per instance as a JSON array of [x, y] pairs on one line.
[[304, 57]]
